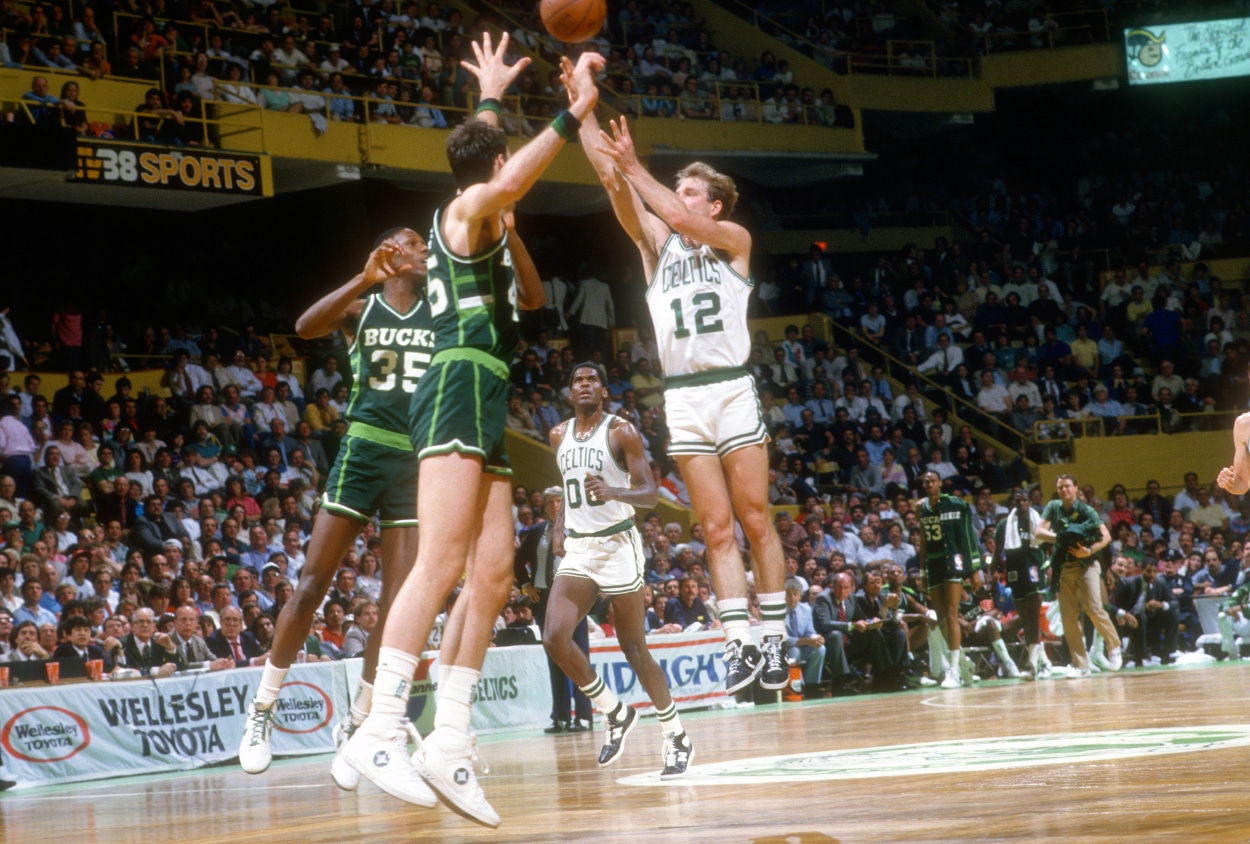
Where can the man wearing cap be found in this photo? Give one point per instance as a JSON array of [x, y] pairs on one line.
[[535, 569], [1108, 409], [270, 576]]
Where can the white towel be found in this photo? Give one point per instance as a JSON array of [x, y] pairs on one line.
[[1011, 535]]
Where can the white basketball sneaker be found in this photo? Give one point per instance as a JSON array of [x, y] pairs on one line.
[[445, 759], [344, 775], [379, 752], [255, 754]]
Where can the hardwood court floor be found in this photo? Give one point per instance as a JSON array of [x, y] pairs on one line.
[[549, 788]]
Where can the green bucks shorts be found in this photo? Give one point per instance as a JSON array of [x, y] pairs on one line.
[[461, 406], [939, 570], [369, 477]]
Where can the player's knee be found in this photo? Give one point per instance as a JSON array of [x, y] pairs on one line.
[[719, 533]]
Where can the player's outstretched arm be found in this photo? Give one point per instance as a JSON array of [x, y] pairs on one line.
[[1236, 478], [340, 307], [494, 76], [647, 231], [529, 284], [521, 171], [624, 437], [720, 234]]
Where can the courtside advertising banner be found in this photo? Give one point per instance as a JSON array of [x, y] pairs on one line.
[[85, 731], [514, 692], [691, 662]]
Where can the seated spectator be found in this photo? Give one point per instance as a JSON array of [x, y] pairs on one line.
[[41, 108], [154, 122]]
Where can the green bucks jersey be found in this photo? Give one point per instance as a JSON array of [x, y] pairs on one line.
[[390, 353], [473, 299], [948, 532]]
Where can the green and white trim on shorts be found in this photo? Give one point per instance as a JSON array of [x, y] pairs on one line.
[[756, 432], [375, 471]]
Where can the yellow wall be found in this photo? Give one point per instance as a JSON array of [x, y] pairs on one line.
[[1048, 67], [1106, 461], [909, 93], [849, 240], [139, 378]]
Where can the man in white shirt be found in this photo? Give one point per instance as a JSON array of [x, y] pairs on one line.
[[249, 385], [993, 397], [945, 359], [325, 377]]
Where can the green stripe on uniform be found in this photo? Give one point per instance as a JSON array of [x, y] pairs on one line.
[[710, 376], [615, 529], [481, 358], [380, 436], [347, 455]]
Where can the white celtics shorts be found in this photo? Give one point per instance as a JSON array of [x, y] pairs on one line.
[[707, 414], [613, 562]]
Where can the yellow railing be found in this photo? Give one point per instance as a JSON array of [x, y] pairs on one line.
[[1050, 431]]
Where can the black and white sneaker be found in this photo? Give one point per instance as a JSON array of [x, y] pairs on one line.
[[678, 754], [615, 733], [775, 673], [742, 665]]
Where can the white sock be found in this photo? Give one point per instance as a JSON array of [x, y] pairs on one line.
[[360, 706], [669, 721], [773, 614], [604, 698], [392, 683], [270, 685], [1004, 657], [955, 657], [734, 619], [937, 653], [1035, 655], [442, 674], [455, 694]]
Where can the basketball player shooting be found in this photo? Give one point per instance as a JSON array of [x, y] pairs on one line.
[[699, 265]]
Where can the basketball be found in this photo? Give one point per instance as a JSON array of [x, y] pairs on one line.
[[573, 21]]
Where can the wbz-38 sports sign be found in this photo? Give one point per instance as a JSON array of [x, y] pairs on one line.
[[137, 165]]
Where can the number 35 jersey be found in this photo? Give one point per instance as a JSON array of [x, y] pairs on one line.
[[390, 353], [698, 306]]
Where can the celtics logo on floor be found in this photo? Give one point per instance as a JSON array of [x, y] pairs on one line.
[[963, 756]]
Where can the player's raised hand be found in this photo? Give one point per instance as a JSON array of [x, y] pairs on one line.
[[618, 146], [493, 74], [385, 262], [589, 64]]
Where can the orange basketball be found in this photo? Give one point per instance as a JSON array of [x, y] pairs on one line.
[[573, 21]]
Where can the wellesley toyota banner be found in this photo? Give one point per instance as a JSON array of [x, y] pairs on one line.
[[86, 731]]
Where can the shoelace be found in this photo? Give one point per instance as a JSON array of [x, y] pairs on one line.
[[733, 657], [258, 726], [772, 654], [475, 758]]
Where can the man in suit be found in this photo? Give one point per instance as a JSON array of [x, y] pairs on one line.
[[192, 649], [76, 630], [851, 634], [150, 532], [535, 569], [1146, 609], [803, 644], [233, 642], [870, 604], [152, 653], [55, 487], [814, 274]]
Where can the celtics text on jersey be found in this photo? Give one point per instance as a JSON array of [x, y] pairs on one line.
[[698, 306]]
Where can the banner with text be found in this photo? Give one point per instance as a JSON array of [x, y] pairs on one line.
[[514, 692], [1186, 52], [691, 662], [142, 166], [85, 731]]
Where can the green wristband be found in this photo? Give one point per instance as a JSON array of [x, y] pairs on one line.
[[489, 105], [566, 125]]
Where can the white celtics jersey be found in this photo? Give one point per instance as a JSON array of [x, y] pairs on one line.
[[699, 310], [592, 455]]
